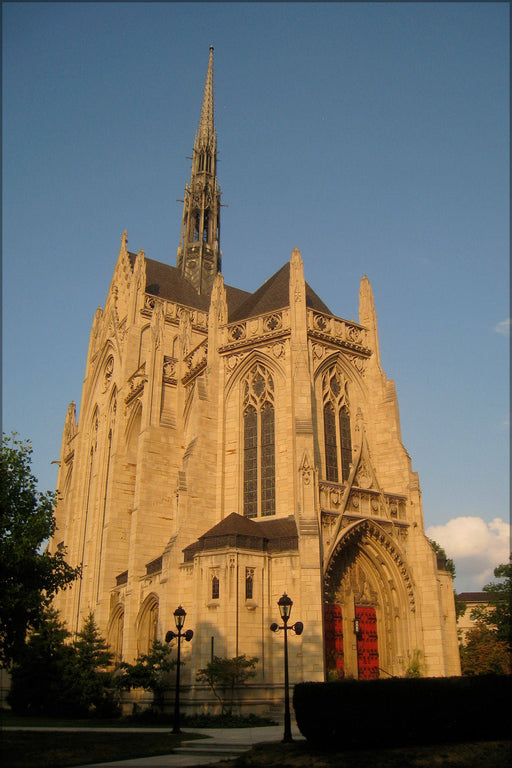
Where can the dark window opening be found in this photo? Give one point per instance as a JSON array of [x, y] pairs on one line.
[[249, 584], [331, 458], [346, 444]]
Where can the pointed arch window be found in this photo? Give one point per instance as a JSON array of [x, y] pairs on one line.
[[337, 432], [259, 497], [147, 625]]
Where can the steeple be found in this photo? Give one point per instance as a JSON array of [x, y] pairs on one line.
[[199, 254]]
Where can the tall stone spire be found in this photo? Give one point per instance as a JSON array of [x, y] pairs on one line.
[[199, 255]]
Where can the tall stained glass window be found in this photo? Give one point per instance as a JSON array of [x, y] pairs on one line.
[[259, 443], [337, 433]]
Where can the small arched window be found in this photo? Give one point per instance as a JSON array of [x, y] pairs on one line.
[[215, 588]]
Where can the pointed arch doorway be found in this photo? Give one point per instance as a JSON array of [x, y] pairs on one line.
[[357, 654], [368, 604]]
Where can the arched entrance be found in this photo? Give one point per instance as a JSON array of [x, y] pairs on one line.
[[368, 605]]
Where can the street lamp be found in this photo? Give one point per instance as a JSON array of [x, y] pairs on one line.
[[179, 620], [285, 608]]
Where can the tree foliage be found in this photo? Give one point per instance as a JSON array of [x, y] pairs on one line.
[[54, 676], [29, 578], [483, 653], [43, 677], [224, 676], [150, 671], [92, 661], [460, 605], [497, 616]]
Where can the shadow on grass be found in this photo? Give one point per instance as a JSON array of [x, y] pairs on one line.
[[60, 749]]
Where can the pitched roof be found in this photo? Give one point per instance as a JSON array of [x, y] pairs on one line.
[[236, 524], [239, 532], [274, 294], [168, 283]]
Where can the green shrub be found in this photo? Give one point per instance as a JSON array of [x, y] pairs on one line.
[[403, 711], [226, 676]]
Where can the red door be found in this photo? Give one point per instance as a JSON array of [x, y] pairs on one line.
[[367, 645], [333, 634]]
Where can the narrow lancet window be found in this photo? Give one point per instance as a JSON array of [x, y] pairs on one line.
[[259, 498], [331, 453], [249, 583], [346, 444], [250, 463], [337, 433]]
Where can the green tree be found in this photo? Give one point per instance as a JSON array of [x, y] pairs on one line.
[[225, 676], [460, 605], [43, 677], [483, 653], [54, 676], [29, 578], [92, 660], [150, 671], [497, 616]]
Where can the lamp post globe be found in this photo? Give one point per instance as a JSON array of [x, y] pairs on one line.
[[285, 607], [179, 617]]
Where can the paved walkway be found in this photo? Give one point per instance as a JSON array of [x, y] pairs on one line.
[[219, 744]]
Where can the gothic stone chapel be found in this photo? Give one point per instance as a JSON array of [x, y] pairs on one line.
[[233, 446]]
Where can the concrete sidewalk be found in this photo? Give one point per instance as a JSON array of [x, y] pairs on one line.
[[219, 744]]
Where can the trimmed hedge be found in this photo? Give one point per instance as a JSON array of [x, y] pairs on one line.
[[404, 711]]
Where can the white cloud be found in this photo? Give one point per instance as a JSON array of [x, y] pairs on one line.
[[476, 547], [503, 327]]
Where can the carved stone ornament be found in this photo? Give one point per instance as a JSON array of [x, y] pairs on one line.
[[109, 370], [335, 497], [363, 477], [318, 351], [359, 364]]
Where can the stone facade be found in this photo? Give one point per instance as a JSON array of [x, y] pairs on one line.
[[232, 446]]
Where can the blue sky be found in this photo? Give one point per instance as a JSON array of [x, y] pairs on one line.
[[372, 136]]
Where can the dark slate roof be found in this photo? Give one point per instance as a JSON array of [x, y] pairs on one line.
[[274, 294], [234, 524], [240, 532], [168, 283]]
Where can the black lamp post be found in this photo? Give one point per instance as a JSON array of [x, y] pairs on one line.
[[285, 608], [179, 619]]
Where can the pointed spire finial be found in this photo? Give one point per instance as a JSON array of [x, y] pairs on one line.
[[206, 123]]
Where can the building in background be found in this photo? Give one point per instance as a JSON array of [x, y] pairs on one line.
[[473, 600], [232, 446]]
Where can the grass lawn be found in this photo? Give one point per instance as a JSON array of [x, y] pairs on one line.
[[58, 749], [491, 754]]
